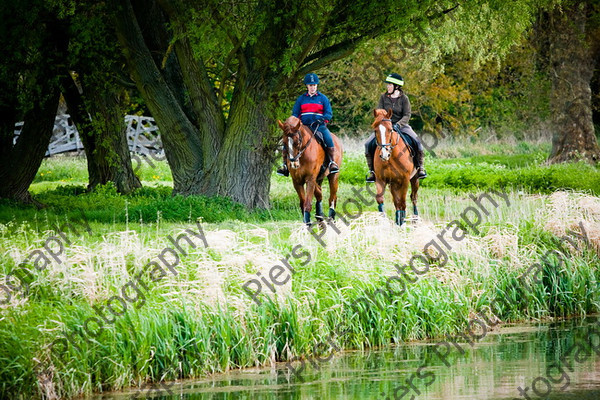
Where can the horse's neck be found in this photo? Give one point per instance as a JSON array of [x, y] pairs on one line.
[[401, 146], [395, 138], [306, 134]]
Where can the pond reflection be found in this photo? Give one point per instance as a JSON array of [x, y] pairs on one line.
[[526, 356]]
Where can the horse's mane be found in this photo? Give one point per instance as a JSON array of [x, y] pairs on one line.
[[380, 115], [290, 123]]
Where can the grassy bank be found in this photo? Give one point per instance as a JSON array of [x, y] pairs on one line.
[[201, 321], [456, 168]]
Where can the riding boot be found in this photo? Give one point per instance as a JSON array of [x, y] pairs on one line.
[[371, 176], [333, 167], [421, 173], [283, 170]]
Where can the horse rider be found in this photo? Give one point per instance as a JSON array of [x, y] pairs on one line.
[[395, 99], [312, 108]]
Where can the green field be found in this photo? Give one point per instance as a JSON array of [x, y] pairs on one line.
[[201, 321]]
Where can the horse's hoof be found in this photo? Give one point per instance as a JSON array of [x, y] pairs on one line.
[[319, 218], [380, 207], [332, 214]]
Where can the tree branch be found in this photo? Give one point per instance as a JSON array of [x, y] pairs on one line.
[[329, 57], [333, 53], [310, 40]]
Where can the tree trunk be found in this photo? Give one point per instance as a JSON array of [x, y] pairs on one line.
[[595, 86], [104, 139], [8, 117], [180, 138], [243, 168], [209, 115], [18, 170], [230, 159], [158, 38], [21, 161], [572, 67]]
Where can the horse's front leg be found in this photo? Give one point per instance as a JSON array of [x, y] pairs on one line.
[[333, 187], [414, 189], [380, 185], [399, 191], [301, 194], [319, 197], [310, 190]]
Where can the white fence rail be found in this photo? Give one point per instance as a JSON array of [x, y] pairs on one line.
[[142, 133]]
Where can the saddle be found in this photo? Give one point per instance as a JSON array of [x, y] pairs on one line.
[[410, 143], [318, 134]]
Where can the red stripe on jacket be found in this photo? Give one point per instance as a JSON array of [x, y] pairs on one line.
[[311, 108]]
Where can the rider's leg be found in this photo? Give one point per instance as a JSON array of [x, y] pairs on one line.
[[369, 153], [283, 170], [418, 160], [333, 167]]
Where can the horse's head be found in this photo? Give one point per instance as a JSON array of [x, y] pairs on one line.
[[292, 138], [383, 132]]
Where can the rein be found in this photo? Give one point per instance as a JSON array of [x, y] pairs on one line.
[[390, 145], [293, 159]]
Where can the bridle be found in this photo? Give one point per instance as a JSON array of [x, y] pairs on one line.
[[384, 145], [299, 131]]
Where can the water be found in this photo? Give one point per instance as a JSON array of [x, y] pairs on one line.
[[493, 368]]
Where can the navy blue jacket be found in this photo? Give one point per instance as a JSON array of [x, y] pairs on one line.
[[311, 108]]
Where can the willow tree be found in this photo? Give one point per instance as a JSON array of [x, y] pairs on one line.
[[44, 41], [35, 41], [445, 64], [573, 44], [93, 87], [235, 59]]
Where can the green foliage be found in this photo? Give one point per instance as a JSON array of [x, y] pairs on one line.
[[456, 83], [517, 172], [315, 36], [60, 184], [25, 37], [542, 179]]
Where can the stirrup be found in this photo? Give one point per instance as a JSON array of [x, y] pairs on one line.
[[421, 173], [283, 171], [333, 169], [370, 178]]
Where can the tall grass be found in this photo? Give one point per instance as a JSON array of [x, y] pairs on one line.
[[200, 321]]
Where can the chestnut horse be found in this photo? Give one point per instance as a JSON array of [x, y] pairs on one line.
[[305, 158], [393, 164]]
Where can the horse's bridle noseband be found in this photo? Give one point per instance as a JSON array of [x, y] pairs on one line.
[[390, 145]]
